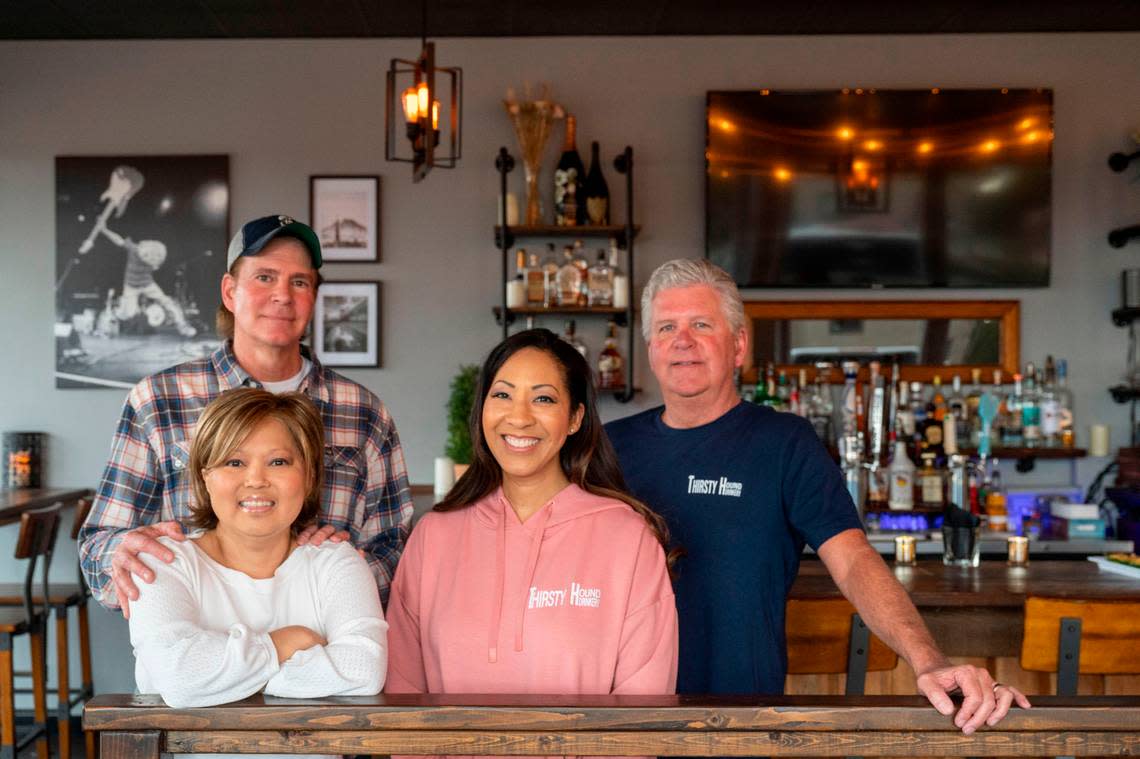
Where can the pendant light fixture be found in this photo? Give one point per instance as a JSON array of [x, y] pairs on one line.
[[415, 112]]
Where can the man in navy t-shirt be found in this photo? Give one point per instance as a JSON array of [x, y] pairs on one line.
[[743, 489]]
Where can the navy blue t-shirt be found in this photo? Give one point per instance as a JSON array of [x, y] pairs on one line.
[[741, 495]]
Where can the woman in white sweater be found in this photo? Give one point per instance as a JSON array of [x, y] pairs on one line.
[[243, 609]]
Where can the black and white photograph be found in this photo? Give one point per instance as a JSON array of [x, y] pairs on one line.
[[140, 250], [346, 324], [345, 212]]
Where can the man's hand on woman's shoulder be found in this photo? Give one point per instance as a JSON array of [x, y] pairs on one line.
[[125, 560]]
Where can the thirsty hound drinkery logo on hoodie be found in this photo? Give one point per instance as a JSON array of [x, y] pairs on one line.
[[575, 596], [723, 486]]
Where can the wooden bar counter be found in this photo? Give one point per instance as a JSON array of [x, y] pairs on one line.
[[976, 615], [141, 727]]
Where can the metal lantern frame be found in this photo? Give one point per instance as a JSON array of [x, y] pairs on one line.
[[423, 139]]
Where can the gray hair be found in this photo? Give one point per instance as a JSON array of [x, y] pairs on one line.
[[687, 272]]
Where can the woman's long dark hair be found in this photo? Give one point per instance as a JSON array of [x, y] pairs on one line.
[[587, 457]]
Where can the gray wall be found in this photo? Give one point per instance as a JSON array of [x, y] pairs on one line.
[[283, 110]]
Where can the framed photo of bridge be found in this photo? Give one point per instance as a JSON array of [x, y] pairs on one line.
[[346, 324], [345, 213]]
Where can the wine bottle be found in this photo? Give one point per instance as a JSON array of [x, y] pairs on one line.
[[569, 175], [597, 193]]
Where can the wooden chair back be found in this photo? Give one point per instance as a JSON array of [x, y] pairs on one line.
[[820, 635], [1108, 636], [36, 543], [82, 509]]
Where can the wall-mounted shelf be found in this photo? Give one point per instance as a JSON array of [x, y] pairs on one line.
[[624, 234], [618, 315], [618, 232]]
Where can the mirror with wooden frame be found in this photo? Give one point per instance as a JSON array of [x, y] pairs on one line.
[[926, 337]]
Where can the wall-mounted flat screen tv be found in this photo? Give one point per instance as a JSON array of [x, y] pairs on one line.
[[880, 188]]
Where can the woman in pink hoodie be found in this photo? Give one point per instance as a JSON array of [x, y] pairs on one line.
[[537, 573]]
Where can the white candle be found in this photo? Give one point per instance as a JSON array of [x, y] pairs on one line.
[[444, 475], [1098, 440]]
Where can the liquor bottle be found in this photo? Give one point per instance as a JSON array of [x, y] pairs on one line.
[[799, 393], [621, 279], [583, 273], [1065, 399], [600, 282], [597, 193], [918, 411], [571, 337], [997, 515], [931, 432], [569, 280], [937, 399], [611, 365], [783, 391], [973, 400], [569, 176], [957, 408], [550, 276], [1030, 409], [1011, 436], [931, 484], [876, 417], [997, 426], [1050, 406], [904, 414], [535, 282], [516, 285], [820, 406], [901, 491]]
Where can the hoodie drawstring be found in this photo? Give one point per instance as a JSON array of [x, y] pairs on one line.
[[500, 582], [531, 564]]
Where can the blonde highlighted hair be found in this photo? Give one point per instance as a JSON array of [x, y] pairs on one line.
[[228, 420]]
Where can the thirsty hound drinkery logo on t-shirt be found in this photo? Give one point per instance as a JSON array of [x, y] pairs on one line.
[[575, 596], [723, 486]]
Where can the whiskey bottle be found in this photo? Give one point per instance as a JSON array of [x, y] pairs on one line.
[[600, 282], [571, 337], [569, 280], [535, 283], [611, 365], [550, 277]]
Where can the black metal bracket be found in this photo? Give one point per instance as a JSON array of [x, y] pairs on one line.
[[1068, 656], [858, 653]]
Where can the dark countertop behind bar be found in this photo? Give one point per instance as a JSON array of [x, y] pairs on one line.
[[993, 583]]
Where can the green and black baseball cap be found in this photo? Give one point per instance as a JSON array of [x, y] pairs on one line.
[[255, 235]]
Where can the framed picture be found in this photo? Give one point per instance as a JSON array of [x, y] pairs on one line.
[[345, 212], [140, 247], [346, 324]]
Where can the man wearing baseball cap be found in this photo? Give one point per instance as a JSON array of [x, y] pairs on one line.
[[268, 294]]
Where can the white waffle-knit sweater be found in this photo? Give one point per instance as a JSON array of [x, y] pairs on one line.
[[200, 631]]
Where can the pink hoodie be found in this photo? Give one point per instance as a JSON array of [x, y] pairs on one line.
[[576, 600]]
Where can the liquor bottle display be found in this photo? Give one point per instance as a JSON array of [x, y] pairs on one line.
[[569, 176], [597, 192], [565, 281]]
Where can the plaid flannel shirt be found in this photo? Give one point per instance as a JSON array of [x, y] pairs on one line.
[[146, 481]]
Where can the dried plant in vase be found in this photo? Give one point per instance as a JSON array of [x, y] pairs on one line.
[[532, 119]]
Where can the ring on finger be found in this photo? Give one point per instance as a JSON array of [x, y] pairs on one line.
[[997, 685]]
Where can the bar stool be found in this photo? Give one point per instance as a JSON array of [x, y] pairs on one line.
[[37, 538], [826, 636], [61, 598], [1073, 637]]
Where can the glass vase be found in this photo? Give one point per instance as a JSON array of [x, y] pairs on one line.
[[533, 199]]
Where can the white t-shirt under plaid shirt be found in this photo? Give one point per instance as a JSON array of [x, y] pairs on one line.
[[366, 484]]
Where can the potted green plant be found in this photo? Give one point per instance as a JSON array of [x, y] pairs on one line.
[[459, 403]]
